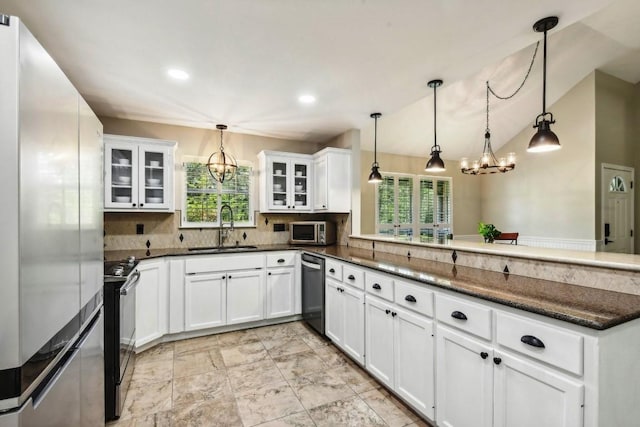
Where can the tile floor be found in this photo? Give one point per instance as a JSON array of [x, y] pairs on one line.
[[274, 376]]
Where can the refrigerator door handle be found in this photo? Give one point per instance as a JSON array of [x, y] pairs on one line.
[[131, 282]]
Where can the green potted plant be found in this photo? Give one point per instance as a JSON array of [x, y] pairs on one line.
[[488, 231]]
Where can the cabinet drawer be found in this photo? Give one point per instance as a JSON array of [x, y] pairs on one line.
[[549, 344], [353, 276], [197, 264], [414, 297], [467, 316], [333, 269], [379, 285], [281, 259]]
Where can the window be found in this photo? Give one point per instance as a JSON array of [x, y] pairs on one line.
[[414, 205], [203, 196]]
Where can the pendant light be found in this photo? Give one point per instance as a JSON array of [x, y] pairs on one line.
[[222, 166], [488, 163], [435, 163], [374, 176], [544, 139]]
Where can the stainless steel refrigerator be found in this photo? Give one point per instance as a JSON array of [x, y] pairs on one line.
[[51, 242]]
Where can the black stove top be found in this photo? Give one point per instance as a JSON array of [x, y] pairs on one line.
[[118, 271]]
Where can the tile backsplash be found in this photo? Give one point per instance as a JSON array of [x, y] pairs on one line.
[[162, 230]]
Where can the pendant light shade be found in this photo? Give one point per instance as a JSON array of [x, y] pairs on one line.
[[222, 166], [544, 139], [374, 176], [435, 163]]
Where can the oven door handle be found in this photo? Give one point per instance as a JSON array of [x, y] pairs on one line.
[[311, 265], [131, 282]]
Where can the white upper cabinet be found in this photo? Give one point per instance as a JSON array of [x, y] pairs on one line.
[[332, 178], [285, 182], [138, 174]]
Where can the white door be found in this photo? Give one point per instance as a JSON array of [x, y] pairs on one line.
[[414, 361], [152, 308], [353, 338], [245, 290], [204, 301], [281, 292], [617, 208], [155, 177], [121, 175], [527, 395], [334, 309], [464, 385], [320, 196], [379, 339]]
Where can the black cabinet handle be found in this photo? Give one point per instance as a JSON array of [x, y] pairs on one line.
[[497, 360], [269, 273], [532, 341], [387, 311], [133, 204], [331, 270], [224, 277], [229, 276], [376, 286], [410, 298], [324, 206], [141, 204], [484, 354], [351, 277], [394, 314], [459, 315], [281, 260]]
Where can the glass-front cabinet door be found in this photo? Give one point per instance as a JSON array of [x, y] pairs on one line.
[[301, 188], [279, 172], [121, 180], [154, 177], [138, 174]]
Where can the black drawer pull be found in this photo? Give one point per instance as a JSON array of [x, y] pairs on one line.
[[376, 286], [387, 311], [484, 354], [280, 261], [532, 341], [351, 277], [459, 315], [497, 360], [394, 314], [331, 270], [410, 298]]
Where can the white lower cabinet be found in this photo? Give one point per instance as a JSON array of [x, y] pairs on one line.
[[344, 318], [152, 307], [245, 296], [526, 395], [480, 386], [280, 292], [400, 352], [464, 390], [205, 301]]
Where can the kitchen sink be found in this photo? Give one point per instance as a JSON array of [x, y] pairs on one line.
[[214, 249]]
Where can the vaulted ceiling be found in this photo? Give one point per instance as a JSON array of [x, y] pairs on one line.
[[249, 61]]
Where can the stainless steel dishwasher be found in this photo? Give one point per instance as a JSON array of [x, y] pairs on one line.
[[313, 291]]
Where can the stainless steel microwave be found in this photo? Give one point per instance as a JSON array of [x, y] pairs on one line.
[[319, 233]]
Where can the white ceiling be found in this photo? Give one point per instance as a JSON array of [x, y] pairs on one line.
[[250, 60]]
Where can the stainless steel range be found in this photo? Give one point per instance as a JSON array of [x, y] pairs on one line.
[[120, 280]]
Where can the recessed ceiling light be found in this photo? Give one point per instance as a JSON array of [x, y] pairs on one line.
[[178, 74], [307, 99]]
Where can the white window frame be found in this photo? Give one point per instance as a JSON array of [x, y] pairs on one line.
[[252, 197], [416, 225]]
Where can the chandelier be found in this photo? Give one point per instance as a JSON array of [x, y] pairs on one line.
[[488, 163], [222, 166]]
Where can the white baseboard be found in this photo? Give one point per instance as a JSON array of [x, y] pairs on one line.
[[540, 242]]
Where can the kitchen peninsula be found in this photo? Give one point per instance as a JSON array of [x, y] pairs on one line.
[[518, 343]]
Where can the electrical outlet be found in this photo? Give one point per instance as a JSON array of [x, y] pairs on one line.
[[139, 228]]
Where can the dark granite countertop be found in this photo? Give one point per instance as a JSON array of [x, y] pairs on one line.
[[593, 308]]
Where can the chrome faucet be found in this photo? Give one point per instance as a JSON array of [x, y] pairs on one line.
[[222, 233]]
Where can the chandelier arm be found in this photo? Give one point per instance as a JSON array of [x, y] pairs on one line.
[[535, 52]]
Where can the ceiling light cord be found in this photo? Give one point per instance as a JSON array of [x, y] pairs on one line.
[[435, 134], [375, 140], [535, 52]]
